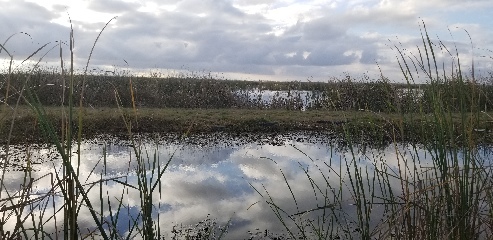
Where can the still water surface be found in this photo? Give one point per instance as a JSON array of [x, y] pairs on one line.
[[223, 179]]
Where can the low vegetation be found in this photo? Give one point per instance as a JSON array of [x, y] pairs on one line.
[[348, 94], [363, 125]]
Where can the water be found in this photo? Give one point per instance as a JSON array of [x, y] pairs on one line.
[[217, 180], [304, 99], [298, 99]]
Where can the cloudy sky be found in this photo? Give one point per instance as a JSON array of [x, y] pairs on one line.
[[248, 39]]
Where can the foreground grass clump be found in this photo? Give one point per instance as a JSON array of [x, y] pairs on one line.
[[68, 195], [444, 194]]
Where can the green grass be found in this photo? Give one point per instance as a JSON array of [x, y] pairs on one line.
[[105, 120]]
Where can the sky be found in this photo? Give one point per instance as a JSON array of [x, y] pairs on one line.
[[281, 40]]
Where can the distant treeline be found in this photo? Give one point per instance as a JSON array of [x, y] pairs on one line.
[[343, 94]]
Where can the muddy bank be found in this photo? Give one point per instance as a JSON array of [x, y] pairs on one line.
[[356, 125]]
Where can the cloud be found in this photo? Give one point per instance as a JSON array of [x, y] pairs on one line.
[[453, 5], [322, 29], [30, 19], [254, 2], [112, 6], [211, 8], [26, 13], [243, 38]]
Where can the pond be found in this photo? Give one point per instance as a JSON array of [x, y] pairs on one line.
[[296, 99], [222, 180]]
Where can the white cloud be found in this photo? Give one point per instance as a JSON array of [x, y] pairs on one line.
[[112, 6]]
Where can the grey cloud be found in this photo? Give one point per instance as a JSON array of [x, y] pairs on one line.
[[236, 42], [112, 6], [320, 29], [206, 40], [323, 32], [296, 59], [369, 15], [380, 16], [24, 16], [254, 2], [217, 7], [33, 20], [60, 8], [218, 36], [168, 2], [26, 11], [369, 56], [82, 27], [447, 5], [329, 55]]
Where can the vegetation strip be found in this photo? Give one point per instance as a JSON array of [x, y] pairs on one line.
[[153, 120]]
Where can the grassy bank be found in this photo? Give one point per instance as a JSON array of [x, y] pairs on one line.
[[370, 125]]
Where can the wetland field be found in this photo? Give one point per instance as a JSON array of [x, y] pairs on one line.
[[271, 164], [115, 156]]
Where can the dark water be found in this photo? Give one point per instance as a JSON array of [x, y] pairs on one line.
[[221, 180]]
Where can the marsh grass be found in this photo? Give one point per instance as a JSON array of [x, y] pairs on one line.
[[444, 194], [56, 213], [341, 94], [35, 212]]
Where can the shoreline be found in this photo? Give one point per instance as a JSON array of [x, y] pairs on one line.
[[360, 124]]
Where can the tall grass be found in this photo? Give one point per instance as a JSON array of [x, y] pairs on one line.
[[444, 194], [345, 94], [69, 195]]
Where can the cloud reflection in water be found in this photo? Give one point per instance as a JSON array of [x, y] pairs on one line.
[[215, 181]]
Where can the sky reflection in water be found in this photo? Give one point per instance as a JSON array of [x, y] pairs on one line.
[[219, 180]]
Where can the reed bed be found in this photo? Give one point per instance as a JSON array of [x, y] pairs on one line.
[[345, 94]]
